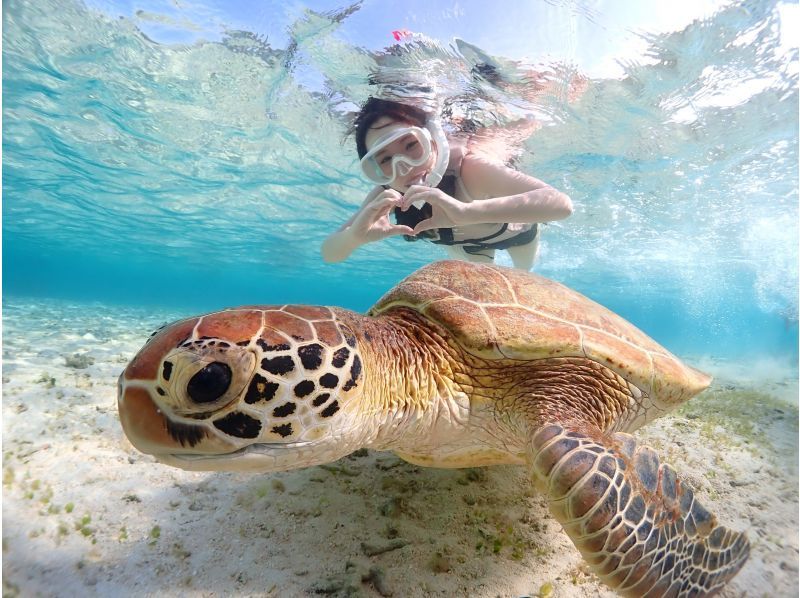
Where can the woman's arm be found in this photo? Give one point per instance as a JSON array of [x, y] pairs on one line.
[[370, 223], [512, 197], [338, 246]]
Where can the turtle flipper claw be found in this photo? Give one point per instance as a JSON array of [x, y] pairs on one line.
[[640, 529]]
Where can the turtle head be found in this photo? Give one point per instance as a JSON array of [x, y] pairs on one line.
[[246, 389]]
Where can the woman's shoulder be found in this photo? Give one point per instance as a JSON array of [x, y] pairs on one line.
[[463, 161], [476, 171], [457, 146]]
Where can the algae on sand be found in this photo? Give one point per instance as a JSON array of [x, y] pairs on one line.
[[731, 415]]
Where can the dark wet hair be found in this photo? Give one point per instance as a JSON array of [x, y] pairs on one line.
[[375, 108]]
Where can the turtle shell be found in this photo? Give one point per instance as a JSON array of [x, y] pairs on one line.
[[502, 313]]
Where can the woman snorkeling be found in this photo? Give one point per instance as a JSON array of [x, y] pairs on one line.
[[441, 192]]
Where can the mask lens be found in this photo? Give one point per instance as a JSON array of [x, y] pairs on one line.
[[386, 165], [408, 147], [411, 146]]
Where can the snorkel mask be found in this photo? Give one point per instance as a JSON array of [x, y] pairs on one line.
[[403, 149]]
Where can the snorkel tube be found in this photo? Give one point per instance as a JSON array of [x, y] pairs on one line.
[[420, 210], [434, 177]]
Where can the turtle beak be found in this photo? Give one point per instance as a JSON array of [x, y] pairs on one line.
[[152, 431], [142, 421]]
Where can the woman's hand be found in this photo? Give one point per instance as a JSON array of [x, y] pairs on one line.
[[372, 222], [447, 211]]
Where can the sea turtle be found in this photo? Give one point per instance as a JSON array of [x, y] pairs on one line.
[[459, 365]]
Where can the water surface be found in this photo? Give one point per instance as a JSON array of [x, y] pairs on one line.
[[195, 156]]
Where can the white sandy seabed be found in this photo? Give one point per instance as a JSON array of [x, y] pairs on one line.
[[85, 514]]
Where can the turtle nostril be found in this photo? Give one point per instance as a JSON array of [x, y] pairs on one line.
[[210, 383]]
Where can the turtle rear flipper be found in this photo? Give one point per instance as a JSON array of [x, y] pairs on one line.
[[639, 528]]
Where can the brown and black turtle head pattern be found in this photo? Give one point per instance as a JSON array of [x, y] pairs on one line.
[[236, 388]]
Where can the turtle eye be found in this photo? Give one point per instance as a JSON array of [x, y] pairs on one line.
[[210, 383]]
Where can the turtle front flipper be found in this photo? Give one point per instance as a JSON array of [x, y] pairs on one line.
[[639, 528]]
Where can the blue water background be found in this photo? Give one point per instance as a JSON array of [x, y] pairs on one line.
[[158, 156]]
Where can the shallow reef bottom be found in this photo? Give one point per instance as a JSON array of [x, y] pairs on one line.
[[85, 513]]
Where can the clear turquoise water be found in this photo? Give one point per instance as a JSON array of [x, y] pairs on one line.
[[194, 157]]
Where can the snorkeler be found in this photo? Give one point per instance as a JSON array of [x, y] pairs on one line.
[[441, 192]]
